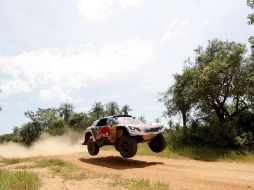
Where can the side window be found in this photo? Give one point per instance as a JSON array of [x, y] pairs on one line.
[[102, 122], [111, 122]]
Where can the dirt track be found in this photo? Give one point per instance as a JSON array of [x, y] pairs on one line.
[[180, 174]]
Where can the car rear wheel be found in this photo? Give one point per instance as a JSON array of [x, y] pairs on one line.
[[158, 143], [92, 147], [127, 146]]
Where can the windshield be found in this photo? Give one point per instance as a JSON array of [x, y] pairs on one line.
[[129, 121]]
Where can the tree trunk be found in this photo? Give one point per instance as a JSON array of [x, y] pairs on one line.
[[220, 113], [184, 123]]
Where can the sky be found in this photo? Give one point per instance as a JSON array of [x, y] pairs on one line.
[[83, 51]]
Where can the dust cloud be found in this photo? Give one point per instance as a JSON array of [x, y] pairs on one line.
[[46, 146]]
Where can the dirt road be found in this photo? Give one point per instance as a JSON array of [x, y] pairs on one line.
[[179, 173]]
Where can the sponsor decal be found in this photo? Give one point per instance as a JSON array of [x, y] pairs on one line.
[[104, 131]]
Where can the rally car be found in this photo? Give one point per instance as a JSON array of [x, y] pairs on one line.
[[124, 132]]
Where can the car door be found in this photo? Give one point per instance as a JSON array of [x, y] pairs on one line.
[[103, 129], [112, 124]]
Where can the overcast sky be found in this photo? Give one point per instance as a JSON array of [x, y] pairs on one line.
[[82, 51]]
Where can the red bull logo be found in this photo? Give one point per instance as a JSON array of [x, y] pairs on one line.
[[104, 131]]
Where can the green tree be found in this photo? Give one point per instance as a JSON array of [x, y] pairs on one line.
[[126, 109], [179, 97], [97, 111], [65, 111], [30, 132], [42, 117], [224, 79], [216, 88], [112, 108], [56, 127], [79, 121], [250, 3]]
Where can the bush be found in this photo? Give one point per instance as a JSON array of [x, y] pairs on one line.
[[57, 127], [237, 133]]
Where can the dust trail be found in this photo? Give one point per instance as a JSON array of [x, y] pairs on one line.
[[46, 146]]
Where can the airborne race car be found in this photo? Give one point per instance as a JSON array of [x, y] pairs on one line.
[[124, 132]]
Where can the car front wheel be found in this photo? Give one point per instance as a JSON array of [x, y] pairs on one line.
[[158, 143], [127, 146], [92, 147]]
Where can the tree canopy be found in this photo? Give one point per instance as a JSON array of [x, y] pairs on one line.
[[126, 109], [112, 108], [216, 87], [65, 111], [250, 3]]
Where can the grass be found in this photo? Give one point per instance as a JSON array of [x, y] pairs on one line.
[[203, 153], [24, 167], [212, 154], [53, 163], [15, 161], [141, 184], [20, 180], [64, 169], [146, 185]]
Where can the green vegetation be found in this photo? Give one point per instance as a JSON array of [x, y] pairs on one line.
[[15, 161], [205, 153], [250, 3], [214, 96], [24, 167], [64, 169], [53, 163], [20, 180], [141, 184], [147, 185]]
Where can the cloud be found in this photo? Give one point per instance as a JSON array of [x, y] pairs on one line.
[[205, 23], [175, 29], [94, 11], [54, 94], [53, 74]]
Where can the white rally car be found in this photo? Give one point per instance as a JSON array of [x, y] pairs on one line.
[[124, 132]]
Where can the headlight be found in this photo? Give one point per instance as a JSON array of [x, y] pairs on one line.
[[134, 128]]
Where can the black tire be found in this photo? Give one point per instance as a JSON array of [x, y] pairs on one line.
[[158, 143], [92, 147], [127, 146], [116, 145]]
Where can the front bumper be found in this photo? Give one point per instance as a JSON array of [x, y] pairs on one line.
[[146, 132]]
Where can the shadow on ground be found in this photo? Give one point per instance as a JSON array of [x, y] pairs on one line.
[[117, 162]]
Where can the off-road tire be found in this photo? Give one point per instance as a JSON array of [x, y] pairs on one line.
[[158, 143], [92, 147], [127, 146], [117, 144]]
